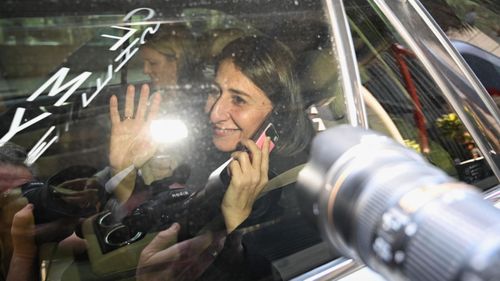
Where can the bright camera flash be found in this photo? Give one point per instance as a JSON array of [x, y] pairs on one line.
[[168, 130]]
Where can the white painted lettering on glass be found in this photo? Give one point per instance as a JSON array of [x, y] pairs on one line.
[[16, 125], [57, 79], [57, 86], [151, 14], [121, 39], [126, 54], [149, 30], [99, 86], [40, 147]]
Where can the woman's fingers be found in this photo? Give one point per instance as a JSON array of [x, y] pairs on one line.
[[235, 169], [255, 152], [154, 107], [143, 103], [142, 106], [259, 160], [249, 176], [243, 159], [264, 164], [129, 102], [113, 110]]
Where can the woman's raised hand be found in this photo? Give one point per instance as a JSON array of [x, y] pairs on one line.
[[249, 176], [131, 142]]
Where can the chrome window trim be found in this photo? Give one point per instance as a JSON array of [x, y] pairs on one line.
[[347, 61], [493, 195], [453, 98], [333, 270], [356, 115], [343, 266], [457, 58]]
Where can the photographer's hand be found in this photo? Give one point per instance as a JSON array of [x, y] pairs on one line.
[[23, 233], [130, 142], [24, 247], [249, 177], [165, 259]]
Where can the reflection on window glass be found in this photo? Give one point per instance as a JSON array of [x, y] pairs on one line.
[[474, 30], [145, 142], [118, 126], [398, 87], [59, 39]]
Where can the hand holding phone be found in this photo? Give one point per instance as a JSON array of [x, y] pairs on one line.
[[267, 130]]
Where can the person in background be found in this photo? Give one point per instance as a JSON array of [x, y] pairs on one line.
[[171, 60]]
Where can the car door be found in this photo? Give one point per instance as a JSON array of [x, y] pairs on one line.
[[382, 65]]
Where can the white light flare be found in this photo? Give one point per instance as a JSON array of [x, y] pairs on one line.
[[168, 130]]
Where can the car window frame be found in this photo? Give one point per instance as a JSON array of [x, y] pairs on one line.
[[473, 125]]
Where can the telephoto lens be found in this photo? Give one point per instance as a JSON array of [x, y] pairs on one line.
[[379, 202]]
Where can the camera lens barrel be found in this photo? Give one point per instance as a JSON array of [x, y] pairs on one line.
[[379, 202]]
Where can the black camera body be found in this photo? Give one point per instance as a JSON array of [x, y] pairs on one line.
[[49, 197], [194, 211], [151, 216], [383, 204]]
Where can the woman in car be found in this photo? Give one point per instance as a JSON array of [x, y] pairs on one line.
[[256, 84], [255, 80]]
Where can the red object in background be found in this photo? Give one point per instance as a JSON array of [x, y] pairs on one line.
[[399, 53], [493, 92]]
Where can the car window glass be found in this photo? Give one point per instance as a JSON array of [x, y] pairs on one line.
[[62, 75], [473, 28], [71, 36], [403, 100], [121, 118]]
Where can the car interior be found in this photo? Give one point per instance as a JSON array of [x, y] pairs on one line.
[[400, 97]]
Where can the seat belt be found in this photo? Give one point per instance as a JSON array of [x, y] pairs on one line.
[[283, 179]]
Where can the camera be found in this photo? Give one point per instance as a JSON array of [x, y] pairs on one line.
[[379, 202], [194, 211], [68, 194]]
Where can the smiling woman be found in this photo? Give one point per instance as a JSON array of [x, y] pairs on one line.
[[256, 80], [226, 69], [238, 109], [256, 83]]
